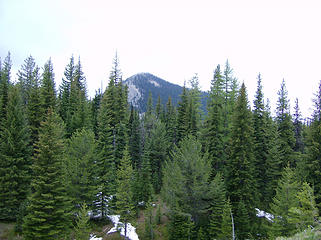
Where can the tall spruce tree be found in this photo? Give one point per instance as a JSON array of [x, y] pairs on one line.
[[213, 132], [285, 127], [241, 185], [80, 171], [15, 157], [124, 194], [48, 210], [284, 200], [182, 116], [313, 160], [134, 138], [48, 89], [4, 85]]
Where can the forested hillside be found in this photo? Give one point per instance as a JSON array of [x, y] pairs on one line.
[[68, 162]]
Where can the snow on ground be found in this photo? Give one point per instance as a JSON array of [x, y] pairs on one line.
[[93, 237], [131, 230], [261, 213]]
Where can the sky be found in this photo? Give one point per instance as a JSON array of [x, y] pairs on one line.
[[173, 39]]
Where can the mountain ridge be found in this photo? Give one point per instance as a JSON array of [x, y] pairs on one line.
[[140, 84]]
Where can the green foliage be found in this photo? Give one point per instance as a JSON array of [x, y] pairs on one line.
[[305, 214], [284, 200], [180, 226], [226, 226], [48, 89], [79, 166], [241, 185], [82, 230], [124, 194], [15, 155], [48, 210], [149, 232]]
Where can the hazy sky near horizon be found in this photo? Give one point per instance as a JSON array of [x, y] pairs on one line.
[[173, 40]]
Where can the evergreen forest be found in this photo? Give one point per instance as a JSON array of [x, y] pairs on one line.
[[68, 162]]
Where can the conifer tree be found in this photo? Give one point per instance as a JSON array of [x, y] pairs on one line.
[[82, 230], [194, 103], [241, 185], [4, 85], [182, 116], [218, 199], [213, 132], [134, 138], [95, 105], [170, 122], [157, 146], [261, 144], [48, 210], [105, 163], [284, 200], [298, 128], [79, 164], [124, 194], [48, 89], [312, 162], [15, 157], [285, 127], [226, 226]]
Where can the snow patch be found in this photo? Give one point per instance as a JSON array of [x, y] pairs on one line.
[[119, 226], [261, 213], [156, 84], [93, 237]]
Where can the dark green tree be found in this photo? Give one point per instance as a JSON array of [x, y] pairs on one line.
[[48, 210], [82, 230], [4, 85], [48, 89], [79, 165], [298, 128], [241, 185], [285, 128], [226, 231], [182, 116], [134, 138], [95, 105], [213, 132], [284, 200], [170, 122], [15, 157], [124, 194]]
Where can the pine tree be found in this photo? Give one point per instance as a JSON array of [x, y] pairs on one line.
[[313, 161], [261, 144], [105, 163], [285, 127], [82, 230], [226, 226], [298, 128], [240, 182], [284, 200], [95, 105], [134, 138], [124, 194], [180, 226], [214, 132], [157, 145], [4, 85], [182, 116], [194, 103], [15, 157], [218, 199], [48, 89], [306, 213], [79, 168], [170, 122], [47, 212]]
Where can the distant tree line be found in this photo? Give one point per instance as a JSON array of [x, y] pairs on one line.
[[63, 155]]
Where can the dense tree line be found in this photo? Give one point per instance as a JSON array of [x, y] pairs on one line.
[[63, 155]]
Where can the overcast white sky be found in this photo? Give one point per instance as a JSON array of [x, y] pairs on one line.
[[173, 40]]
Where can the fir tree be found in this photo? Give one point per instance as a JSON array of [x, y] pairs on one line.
[[214, 125], [15, 157], [47, 89], [95, 105], [82, 230], [79, 168], [182, 116], [47, 212], [285, 127], [124, 194], [4, 85], [226, 226], [284, 200], [134, 138], [170, 122], [241, 185]]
